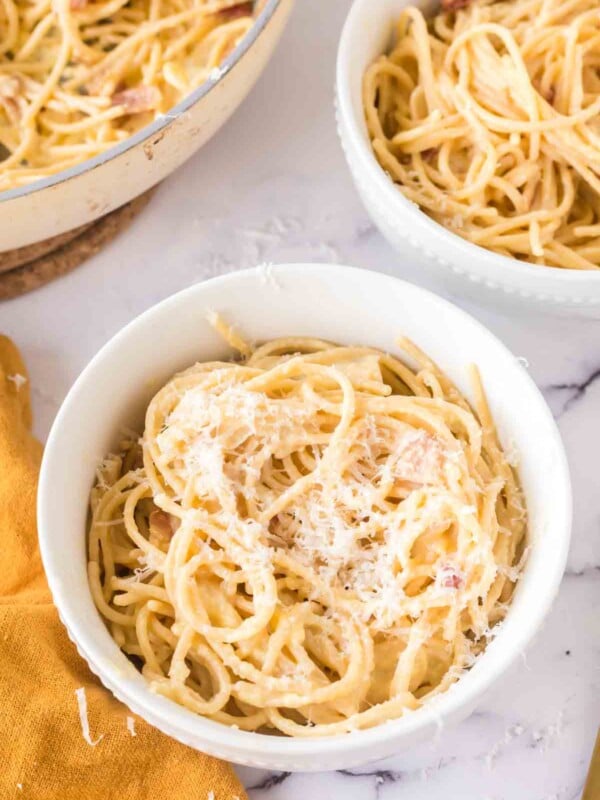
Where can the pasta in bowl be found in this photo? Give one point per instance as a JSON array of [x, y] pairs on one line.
[[488, 122], [312, 541], [316, 540], [470, 129]]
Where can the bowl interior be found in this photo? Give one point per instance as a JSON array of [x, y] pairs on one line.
[[340, 304], [366, 36]]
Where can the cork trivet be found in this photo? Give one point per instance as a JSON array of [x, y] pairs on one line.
[[12, 259], [32, 266]]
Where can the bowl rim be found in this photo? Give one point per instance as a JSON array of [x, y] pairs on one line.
[[355, 135], [217, 738], [157, 125]]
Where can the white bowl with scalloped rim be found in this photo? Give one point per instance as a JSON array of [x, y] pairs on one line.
[[462, 267], [336, 303]]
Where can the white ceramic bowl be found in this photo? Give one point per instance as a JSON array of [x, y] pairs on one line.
[[464, 268], [344, 305]]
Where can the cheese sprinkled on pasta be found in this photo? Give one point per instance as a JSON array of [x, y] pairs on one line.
[[311, 541]]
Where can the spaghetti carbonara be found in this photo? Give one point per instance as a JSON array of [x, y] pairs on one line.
[[78, 76], [310, 541], [488, 117]]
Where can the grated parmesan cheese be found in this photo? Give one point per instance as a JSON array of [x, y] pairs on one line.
[[216, 74], [267, 275], [320, 522], [220, 437], [131, 726], [18, 380], [83, 717]]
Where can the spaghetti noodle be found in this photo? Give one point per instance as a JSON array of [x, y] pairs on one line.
[[488, 117], [311, 541], [78, 76]]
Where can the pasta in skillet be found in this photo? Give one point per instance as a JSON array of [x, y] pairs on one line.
[[78, 76]]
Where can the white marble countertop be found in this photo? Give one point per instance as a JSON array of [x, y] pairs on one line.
[[273, 186]]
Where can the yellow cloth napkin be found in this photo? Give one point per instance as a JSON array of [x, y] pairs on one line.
[[44, 754]]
